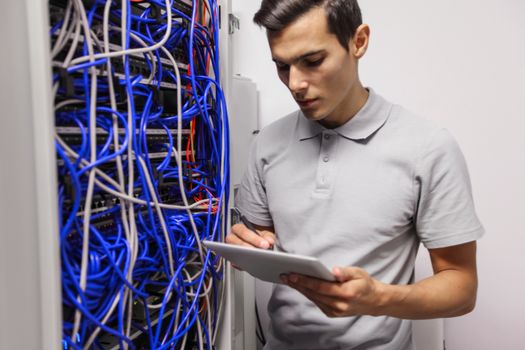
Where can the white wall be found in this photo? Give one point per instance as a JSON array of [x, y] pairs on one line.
[[252, 59], [461, 63]]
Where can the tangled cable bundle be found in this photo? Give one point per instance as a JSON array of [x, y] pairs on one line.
[[142, 156]]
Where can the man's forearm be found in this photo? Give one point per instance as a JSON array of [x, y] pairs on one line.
[[448, 293]]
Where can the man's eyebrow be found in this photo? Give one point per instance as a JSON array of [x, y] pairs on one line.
[[302, 57]]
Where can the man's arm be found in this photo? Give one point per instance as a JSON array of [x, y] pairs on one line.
[[450, 292]]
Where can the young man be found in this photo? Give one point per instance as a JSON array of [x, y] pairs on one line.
[[358, 182]]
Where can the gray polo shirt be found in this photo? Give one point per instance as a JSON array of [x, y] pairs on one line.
[[364, 194]]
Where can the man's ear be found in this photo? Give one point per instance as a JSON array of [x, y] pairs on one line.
[[359, 42]]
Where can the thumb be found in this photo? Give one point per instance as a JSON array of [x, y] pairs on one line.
[[345, 274]]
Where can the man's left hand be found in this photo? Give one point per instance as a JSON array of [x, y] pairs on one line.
[[353, 293]]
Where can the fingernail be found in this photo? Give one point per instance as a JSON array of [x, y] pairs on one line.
[[294, 278], [264, 244], [284, 279]]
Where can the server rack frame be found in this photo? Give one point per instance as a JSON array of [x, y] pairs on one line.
[[30, 291]]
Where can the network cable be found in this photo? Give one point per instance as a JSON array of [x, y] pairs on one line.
[[142, 157]]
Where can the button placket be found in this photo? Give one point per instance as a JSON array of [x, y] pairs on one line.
[[325, 164]]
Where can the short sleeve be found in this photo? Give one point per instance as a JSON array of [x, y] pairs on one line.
[[251, 199], [445, 213]]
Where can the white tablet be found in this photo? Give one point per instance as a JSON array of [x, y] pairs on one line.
[[269, 265]]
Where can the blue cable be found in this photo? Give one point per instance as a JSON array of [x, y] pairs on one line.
[[109, 257]]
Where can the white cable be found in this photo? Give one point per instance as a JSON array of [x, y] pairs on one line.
[[222, 287], [93, 157], [93, 336], [153, 59], [154, 47], [113, 103], [64, 29], [75, 40], [131, 209], [159, 214], [178, 155], [123, 196], [120, 174]]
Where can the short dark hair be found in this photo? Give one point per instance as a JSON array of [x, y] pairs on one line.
[[344, 16]]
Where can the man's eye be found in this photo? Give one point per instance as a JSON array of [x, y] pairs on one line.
[[314, 63]]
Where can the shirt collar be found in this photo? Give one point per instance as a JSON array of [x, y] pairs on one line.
[[366, 122]]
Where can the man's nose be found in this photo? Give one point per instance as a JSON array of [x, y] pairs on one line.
[[297, 82]]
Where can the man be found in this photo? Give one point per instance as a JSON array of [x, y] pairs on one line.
[[357, 182]]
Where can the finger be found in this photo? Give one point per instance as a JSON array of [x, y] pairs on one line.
[[336, 305], [236, 240], [269, 236], [344, 274], [331, 305], [332, 289], [250, 237], [327, 305]]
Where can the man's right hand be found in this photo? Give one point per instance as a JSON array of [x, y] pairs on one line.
[[264, 238]]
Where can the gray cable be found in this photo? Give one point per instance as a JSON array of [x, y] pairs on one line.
[[154, 47]]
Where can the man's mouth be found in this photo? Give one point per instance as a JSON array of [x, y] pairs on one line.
[[306, 102]]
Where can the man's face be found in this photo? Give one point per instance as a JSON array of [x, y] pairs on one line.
[[318, 71]]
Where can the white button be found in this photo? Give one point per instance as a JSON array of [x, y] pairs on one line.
[[326, 159], [327, 136]]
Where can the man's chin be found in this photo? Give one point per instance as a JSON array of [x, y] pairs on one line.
[[312, 115]]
